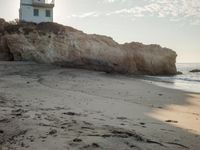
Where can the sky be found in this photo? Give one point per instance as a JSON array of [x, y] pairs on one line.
[[170, 23]]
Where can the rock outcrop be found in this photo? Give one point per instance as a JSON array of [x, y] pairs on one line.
[[57, 44], [150, 59], [4, 51], [195, 70]]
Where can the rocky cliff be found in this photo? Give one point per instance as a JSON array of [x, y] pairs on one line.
[[58, 44]]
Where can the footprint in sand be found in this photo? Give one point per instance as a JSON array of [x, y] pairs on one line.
[[171, 121]]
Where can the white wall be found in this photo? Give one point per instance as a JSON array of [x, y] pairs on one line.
[[26, 1], [39, 1], [26, 13]]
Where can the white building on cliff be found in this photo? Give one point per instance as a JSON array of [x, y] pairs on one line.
[[36, 10]]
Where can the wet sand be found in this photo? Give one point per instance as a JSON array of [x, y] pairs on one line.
[[45, 107]]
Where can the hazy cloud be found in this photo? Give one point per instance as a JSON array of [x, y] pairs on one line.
[[174, 10], [112, 1], [85, 15]]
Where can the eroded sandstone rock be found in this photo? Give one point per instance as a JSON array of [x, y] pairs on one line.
[[57, 44]]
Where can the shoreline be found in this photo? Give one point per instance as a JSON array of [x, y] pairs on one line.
[[48, 107], [180, 85]]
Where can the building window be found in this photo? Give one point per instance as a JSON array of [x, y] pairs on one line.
[[48, 13], [36, 12]]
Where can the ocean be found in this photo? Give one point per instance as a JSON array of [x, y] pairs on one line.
[[187, 81]]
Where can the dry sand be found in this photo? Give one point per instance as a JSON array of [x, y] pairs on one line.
[[50, 108]]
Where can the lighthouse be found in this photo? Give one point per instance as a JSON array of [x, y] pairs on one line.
[[36, 10]]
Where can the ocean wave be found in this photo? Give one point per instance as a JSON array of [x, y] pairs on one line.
[[187, 79]]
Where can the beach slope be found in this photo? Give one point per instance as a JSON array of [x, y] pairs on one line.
[[48, 107]]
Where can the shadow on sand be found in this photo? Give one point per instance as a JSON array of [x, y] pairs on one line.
[[49, 107]]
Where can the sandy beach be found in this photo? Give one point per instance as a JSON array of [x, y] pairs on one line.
[[45, 107]]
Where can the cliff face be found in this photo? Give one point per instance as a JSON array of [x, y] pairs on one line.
[[57, 44], [150, 59]]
